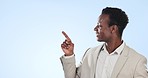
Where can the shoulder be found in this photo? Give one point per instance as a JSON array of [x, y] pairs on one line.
[[92, 50], [134, 54]]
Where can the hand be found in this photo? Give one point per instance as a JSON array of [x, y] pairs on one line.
[[67, 46]]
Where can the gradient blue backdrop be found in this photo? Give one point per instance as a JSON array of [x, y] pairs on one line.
[[30, 33]]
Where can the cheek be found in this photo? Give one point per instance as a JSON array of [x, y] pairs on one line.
[[101, 32], [104, 31], [107, 33]]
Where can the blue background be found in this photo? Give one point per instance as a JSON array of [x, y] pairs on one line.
[[30, 33]]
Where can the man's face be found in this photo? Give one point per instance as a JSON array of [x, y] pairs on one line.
[[103, 31]]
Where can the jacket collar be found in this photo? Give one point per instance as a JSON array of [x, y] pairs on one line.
[[120, 62]]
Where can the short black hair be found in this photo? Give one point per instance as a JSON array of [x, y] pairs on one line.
[[117, 17]]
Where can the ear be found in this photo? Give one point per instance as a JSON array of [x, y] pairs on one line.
[[114, 29]]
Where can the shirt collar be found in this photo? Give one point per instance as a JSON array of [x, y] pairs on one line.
[[117, 50]]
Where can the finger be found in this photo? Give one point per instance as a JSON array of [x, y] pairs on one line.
[[67, 42], [66, 36], [63, 46]]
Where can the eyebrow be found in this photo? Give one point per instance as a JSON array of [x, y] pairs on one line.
[[100, 21]]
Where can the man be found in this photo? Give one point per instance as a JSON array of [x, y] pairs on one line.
[[113, 59]]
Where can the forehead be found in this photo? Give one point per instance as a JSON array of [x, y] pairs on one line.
[[103, 18]]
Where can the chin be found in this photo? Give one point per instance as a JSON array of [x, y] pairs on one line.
[[100, 40]]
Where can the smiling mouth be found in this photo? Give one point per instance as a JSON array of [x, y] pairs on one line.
[[97, 35]]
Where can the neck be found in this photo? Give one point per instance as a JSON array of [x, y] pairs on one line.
[[112, 45]]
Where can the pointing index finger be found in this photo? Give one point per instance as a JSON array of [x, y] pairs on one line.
[[66, 36]]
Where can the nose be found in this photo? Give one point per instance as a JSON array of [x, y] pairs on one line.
[[96, 28]]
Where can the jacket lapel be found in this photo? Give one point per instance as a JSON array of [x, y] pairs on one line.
[[95, 57], [120, 62]]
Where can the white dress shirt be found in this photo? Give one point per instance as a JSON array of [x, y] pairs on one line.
[[106, 62]]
